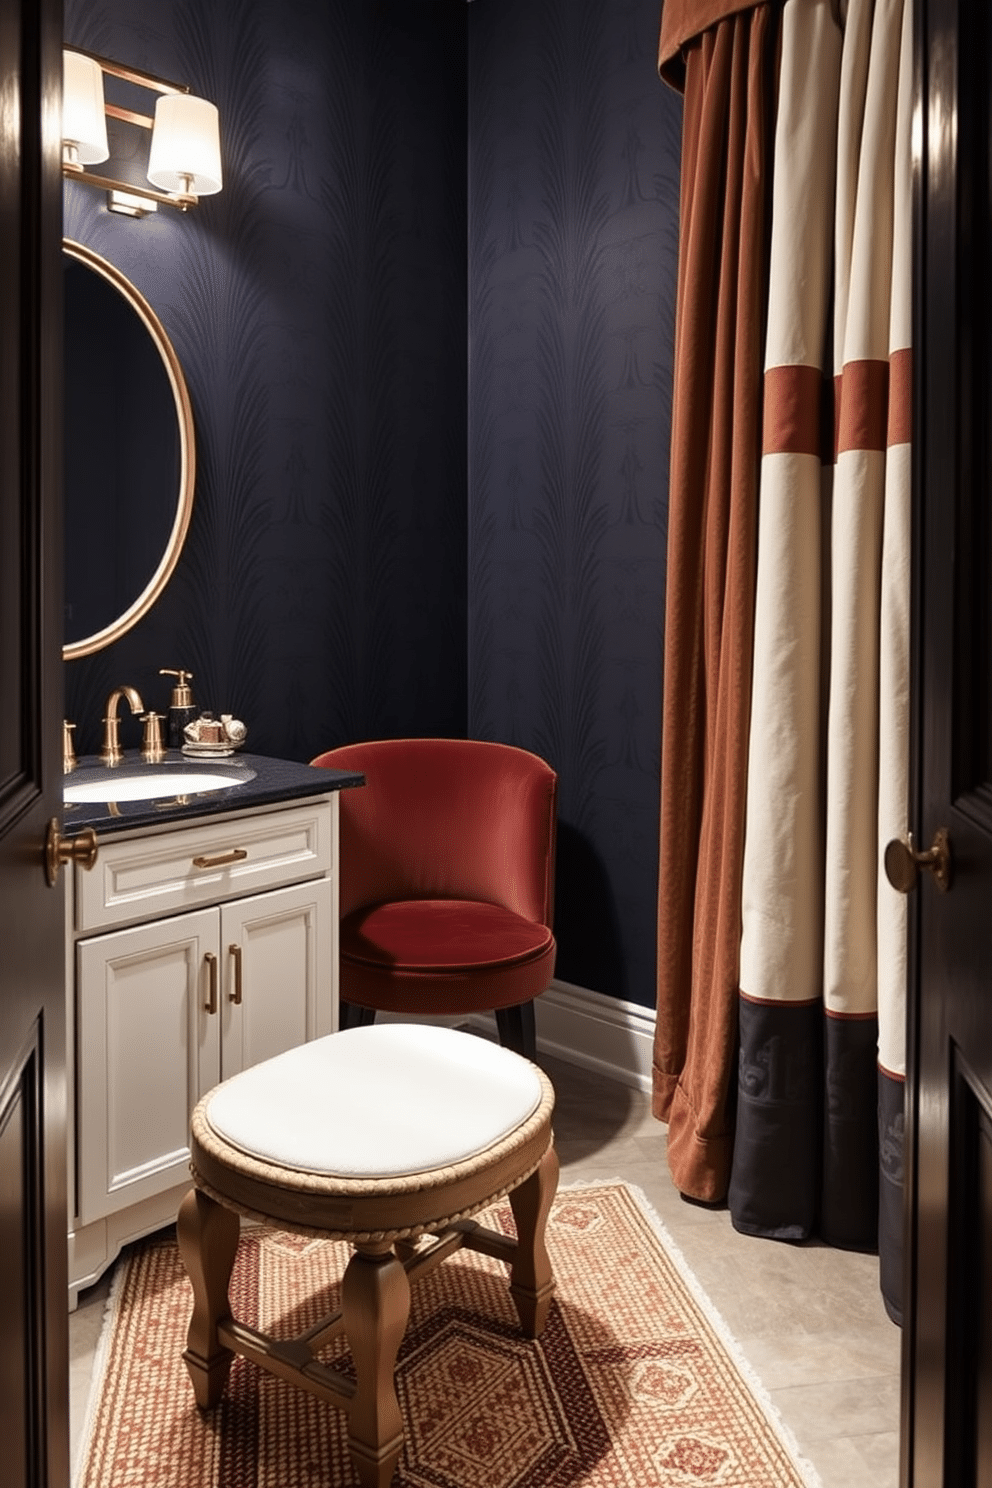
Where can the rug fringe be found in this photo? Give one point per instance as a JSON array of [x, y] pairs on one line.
[[110, 1309], [736, 1354]]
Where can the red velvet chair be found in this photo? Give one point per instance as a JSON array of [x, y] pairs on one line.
[[447, 881]]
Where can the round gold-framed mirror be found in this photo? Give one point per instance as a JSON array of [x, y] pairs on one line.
[[130, 453]]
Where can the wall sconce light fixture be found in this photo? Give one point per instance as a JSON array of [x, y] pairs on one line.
[[184, 153]]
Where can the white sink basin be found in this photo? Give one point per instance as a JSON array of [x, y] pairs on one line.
[[150, 784]]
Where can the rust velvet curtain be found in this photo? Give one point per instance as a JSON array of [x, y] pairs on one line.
[[727, 77], [779, 1046]]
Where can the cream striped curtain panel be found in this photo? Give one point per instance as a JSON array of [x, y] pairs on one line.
[[818, 1139]]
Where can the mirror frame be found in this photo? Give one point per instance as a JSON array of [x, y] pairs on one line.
[[187, 455]]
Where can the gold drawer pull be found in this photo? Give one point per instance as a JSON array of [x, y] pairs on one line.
[[211, 1002], [236, 855], [237, 958]]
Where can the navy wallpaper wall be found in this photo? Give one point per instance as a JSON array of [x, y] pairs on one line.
[[432, 422], [574, 162], [318, 308]]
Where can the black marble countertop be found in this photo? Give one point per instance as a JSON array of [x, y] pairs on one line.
[[261, 782]]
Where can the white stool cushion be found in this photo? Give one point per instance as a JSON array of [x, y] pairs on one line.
[[376, 1102]]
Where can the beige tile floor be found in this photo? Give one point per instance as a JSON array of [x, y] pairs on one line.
[[809, 1320]]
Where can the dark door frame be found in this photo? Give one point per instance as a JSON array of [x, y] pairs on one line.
[[34, 1424], [950, 733]]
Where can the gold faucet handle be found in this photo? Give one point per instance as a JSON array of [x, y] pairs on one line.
[[152, 748], [68, 752]]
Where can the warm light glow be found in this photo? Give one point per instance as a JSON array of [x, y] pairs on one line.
[[84, 123], [185, 150]]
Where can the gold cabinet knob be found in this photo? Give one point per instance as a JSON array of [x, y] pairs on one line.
[[81, 849], [903, 862]]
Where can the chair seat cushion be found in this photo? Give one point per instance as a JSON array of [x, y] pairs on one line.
[[376, 1102], [441, 935]]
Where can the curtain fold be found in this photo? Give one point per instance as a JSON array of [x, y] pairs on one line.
[[710, 585], [775, 1185], [894, 676], [823, 934]]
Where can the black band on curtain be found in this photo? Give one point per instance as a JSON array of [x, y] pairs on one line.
[[849, 1214], [775, 1178], [891, 1129], [810, 1102]]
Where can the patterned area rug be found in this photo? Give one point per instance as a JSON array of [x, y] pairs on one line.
[[634, 1382]]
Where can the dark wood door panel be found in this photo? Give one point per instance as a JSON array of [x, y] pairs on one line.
[[22, 1394], [33, 1295], [947, 1410], [969, 1332]]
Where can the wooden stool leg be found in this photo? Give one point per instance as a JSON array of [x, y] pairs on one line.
[[532, 1284], [208, 1242], [375, 1300]]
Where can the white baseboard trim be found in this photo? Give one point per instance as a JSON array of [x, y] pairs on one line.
[[596, 1032]]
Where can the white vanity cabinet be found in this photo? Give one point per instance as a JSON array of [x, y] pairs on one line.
[[196, 951]]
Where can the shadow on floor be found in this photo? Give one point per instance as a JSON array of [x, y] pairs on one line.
[[590, 1109]]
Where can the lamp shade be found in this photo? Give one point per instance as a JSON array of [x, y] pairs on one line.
[[84, 122], [185, 149]]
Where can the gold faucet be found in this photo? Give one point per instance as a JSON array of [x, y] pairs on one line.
[[69, 761], [111, 753]]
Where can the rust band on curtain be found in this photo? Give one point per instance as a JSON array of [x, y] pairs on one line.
[[716, 431], [869, 406], [798, 414], [900, 430], [861, 403]]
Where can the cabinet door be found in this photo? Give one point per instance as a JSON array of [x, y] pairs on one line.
[[147, 1046], [278, 986]]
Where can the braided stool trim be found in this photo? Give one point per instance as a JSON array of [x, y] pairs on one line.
[[360, 1237], [292, 1180]]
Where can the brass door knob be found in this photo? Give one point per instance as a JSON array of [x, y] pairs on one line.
[[903, 862], [81, 849]]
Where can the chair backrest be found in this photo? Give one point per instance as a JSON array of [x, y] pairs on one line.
[[447, 819]]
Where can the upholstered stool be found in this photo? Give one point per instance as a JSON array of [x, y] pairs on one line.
[[378, 1136]]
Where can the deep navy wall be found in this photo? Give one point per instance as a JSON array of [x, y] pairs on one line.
[[318, 308], [346, 575], [574, 164]]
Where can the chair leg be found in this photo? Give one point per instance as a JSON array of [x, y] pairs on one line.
[[351, 1015], [532, 1283], [516, 1029], [207, 1234], [375, 1301]]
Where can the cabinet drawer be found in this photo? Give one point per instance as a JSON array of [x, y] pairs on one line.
[[224, 859]]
